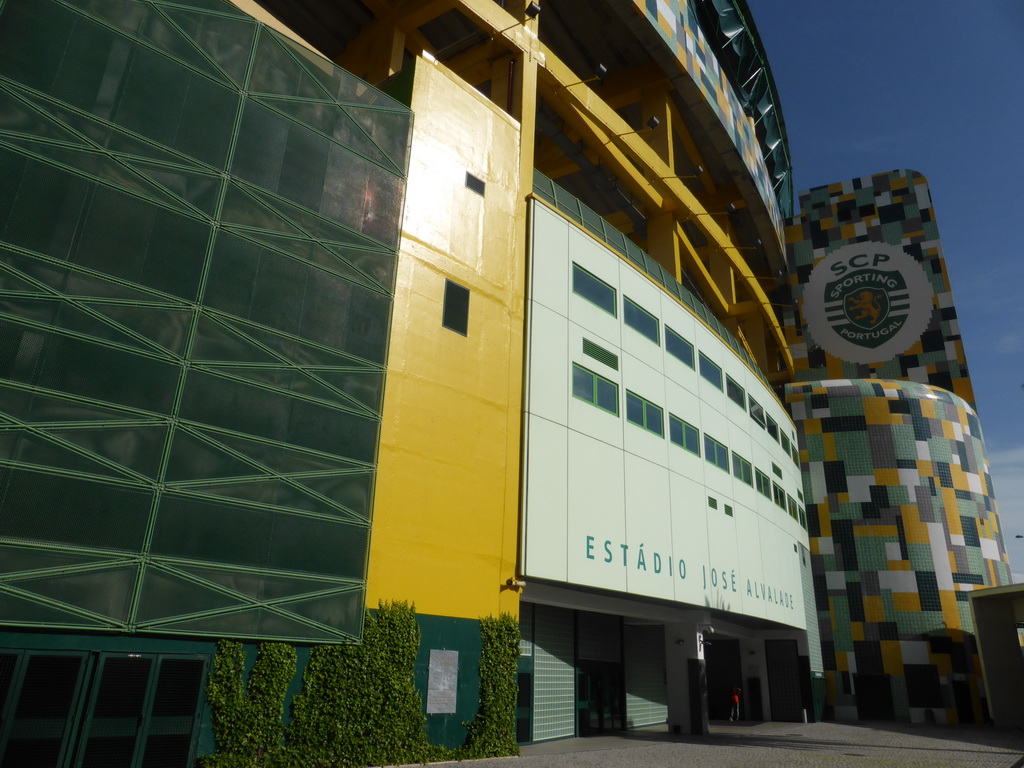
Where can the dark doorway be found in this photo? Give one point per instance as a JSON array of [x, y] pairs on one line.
[[107, 710], [783, 665], [600, 699], [722, 658], [874, 697]]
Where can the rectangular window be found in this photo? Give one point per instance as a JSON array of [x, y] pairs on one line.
[[796, 455], [595, 389], [710, 370], [735, 392], [728, 510], [757, 412], [776, 470], [792, 507], [716, 453], [683, 434], [455, 313], [803, 519], [773, 428], [593, 289], [742, 469], [640, 320], [764, 483], [678, 347], [785, 442], [779, 495], [644, 414]]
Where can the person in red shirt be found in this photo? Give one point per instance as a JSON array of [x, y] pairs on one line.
[[735, 713]]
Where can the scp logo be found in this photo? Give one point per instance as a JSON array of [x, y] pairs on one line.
[[867, 302]]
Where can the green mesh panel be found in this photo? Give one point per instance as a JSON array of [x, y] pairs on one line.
[[198, 230]]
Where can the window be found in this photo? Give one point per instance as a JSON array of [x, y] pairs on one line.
[[757, 412], [735, 392], [475, 184], [792, 507], [640, 320], [716, 453], [785, 442], [803, 519], [684, 435], [779, 495], [596, 390], [776, 470], [644, 414], [773, 428], [764, 483], [742, 469], [796, 454], [593, 289], [728, 510], [710, 370], [455, 314], [678, 347]]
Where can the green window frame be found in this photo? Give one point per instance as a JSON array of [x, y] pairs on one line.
[[779, 495], [776, 470], [644, 413], [595, 389], [763, 483], [716, 453], [773, 428], [757, 412], [684, 434], [594, 289], [640, 320], [742, 469], [791, 505], [735, 392], [678, 347], [710, 370], [784, 439]]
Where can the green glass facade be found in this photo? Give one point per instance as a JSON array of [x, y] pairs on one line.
[[198, 229]]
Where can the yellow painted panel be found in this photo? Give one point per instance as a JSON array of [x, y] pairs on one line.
[[447, 496], [892, 658], [874, 609], [906, 601]]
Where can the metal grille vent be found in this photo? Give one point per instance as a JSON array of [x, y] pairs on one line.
[[601, 354]]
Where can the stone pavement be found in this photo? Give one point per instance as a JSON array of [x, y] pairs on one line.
[[782, 745]]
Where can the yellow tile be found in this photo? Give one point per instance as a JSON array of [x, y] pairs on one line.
[[892, 657], [906, 601]]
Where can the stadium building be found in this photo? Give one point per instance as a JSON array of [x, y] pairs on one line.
[[508, 331]]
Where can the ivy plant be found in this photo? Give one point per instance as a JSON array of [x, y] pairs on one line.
[[247, 722]]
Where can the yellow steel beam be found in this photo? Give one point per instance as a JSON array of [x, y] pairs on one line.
[[627, 151]]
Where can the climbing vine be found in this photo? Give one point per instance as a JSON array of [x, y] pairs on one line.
[[493, 732], [359, 705], [247, 719]]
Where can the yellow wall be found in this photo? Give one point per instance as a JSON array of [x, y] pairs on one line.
[[447, 499]]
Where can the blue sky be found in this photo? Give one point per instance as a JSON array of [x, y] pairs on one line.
[[936, 86]]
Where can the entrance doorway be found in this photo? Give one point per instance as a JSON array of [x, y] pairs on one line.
[[724, 672], [599, 697], [71, 709]]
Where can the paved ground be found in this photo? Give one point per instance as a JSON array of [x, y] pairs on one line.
[[782, 745]]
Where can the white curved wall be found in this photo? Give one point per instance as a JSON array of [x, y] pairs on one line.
[[600, 490]]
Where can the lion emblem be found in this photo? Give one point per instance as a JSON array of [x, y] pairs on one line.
[[864, 306]]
